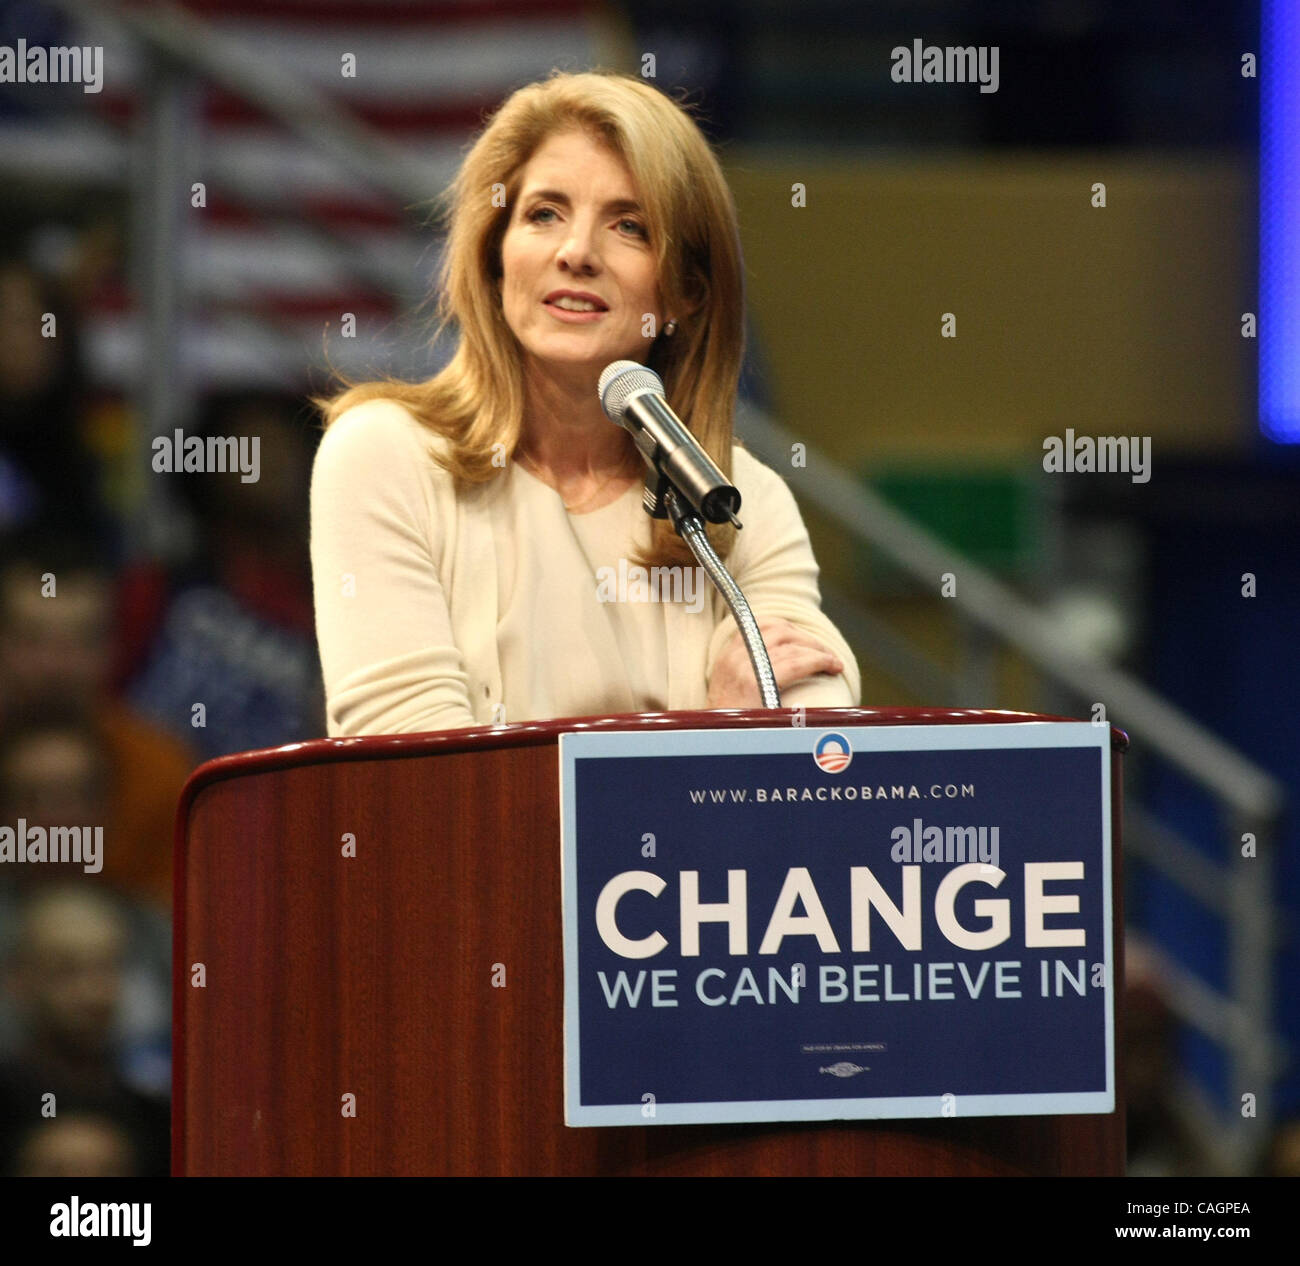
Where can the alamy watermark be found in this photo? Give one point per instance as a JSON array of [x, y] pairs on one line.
[[83, 845], [80, 64], [950, 845], [629, 582], [1104, 454], [932, 64], [122, 1220], [211, 454]]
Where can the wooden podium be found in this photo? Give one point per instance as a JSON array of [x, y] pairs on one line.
[[304, 975]]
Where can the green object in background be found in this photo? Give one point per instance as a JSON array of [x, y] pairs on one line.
[[994, 516]]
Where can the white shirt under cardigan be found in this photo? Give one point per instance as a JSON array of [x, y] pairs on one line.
[[435, 606]]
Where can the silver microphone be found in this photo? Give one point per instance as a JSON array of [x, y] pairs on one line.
[[633, 398]]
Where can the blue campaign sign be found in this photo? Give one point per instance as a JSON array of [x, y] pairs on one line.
[[797, 924]]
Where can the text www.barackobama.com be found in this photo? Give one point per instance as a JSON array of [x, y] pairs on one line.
[[788, 795]]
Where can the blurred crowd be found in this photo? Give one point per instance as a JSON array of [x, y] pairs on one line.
[[120, 672]]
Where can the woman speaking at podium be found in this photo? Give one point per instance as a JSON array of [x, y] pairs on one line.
[[480, 553]]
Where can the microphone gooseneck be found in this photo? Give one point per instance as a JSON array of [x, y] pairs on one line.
[[678, 471]]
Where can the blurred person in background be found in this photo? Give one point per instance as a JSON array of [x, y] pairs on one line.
[[56, 658], [75, 1145], [65, 975], [233, 629], [47, 470], [1283, 1159], [55, 774]]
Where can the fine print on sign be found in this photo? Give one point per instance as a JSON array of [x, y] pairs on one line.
[[881, 921]]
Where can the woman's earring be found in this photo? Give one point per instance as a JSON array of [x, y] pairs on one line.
[[670, 327]]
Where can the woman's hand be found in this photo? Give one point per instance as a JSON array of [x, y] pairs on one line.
[[795, 655]]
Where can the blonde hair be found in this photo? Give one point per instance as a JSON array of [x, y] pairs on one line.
[[477, 400]]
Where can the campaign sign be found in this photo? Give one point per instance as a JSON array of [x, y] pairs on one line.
[[799, 924]]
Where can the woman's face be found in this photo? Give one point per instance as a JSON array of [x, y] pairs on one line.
[[577, 226]]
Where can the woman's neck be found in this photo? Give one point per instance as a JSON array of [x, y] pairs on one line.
[[566, 432]]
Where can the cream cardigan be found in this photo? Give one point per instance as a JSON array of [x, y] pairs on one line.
[[417, 586]]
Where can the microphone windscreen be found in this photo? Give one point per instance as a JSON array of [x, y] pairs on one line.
[[620, 381]]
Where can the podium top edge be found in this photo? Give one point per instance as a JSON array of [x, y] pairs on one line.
[[539, 733]]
